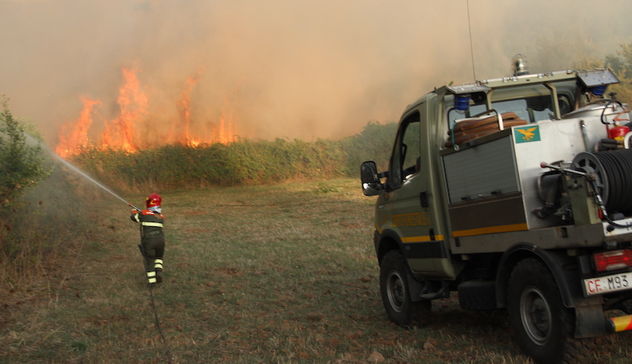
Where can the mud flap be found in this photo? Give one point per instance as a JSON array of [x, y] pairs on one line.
[[477, 295], [414, 287], [590, 320]]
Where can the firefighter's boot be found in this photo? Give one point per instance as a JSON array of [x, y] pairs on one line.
[[151, 278]]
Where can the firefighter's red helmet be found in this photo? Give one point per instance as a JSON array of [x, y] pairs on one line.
[[153, 200]]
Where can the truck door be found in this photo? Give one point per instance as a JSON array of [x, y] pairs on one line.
[[408, 199]]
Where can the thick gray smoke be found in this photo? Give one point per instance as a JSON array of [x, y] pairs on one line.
[[282, 68]]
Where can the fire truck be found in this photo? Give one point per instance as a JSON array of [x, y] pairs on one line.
[[515, 193]]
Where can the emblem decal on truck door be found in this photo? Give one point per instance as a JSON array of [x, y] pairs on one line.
[[527, 134]]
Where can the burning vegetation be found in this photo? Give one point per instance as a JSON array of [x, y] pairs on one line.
[[125, 131]]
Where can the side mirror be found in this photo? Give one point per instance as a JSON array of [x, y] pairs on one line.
[[371, 185]]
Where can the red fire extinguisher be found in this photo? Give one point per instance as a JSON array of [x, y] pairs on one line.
[[618, 132]]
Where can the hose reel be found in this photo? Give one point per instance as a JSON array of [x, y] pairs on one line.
[[611, 172]]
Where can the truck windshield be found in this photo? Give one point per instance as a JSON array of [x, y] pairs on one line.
[[531, 102], [532, 109]]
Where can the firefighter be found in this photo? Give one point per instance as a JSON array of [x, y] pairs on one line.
[[152, 239]]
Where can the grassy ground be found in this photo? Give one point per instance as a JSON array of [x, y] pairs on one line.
[[283, 273]]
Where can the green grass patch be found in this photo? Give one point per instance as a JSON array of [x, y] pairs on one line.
[[281, 273]]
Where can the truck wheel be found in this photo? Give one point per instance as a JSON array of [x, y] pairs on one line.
[[543, 326], [396, 293]]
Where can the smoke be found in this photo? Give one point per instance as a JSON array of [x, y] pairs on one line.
[[280, 68]]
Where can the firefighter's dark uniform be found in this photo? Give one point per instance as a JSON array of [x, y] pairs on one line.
[[152, 242]]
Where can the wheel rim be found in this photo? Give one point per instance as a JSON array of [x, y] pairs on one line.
[[396, 291], [535, 314]]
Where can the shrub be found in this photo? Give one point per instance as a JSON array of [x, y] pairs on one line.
[[32, 226], [243, 162], [20, 163], [374, 142], [621, 64]]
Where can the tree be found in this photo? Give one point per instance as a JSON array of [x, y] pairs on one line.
[[20, 163], [621, 64]]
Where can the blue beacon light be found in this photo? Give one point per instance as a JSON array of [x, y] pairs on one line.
[[598, 90], [462, 102]]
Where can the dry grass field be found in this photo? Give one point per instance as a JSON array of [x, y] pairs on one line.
[[282, 274]]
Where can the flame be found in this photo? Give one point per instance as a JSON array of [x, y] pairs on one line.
[[74, 136], [121, 133], [184, 108], [226, 131], [133, 105], [223, 132]]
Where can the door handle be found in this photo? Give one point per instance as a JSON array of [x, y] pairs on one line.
[[423, 199]]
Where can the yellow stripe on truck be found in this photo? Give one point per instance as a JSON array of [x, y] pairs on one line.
[[421, 239], [490, 230]]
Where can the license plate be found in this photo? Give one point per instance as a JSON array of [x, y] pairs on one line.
[[618, 231], [612, 283]]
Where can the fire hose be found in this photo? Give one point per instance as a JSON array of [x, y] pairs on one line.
[[151, 293], [609, 174], [156, 319], [108, 190]]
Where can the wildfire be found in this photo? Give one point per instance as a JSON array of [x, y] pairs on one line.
[[226, 130], [74, 136], [187, 135], [122, 132], [133, 104], [184, 107], [224, 133]]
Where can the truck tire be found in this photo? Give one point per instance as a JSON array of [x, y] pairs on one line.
[[543, 326], [395, 292]]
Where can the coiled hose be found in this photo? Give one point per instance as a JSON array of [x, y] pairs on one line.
[[611, 177]]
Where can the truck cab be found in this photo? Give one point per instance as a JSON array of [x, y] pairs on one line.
[[516, 193]]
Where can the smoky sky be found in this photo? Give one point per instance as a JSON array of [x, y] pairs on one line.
[[282, 68]]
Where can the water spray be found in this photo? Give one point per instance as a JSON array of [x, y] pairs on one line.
[[108, 190], [85, 175], [80, 172]]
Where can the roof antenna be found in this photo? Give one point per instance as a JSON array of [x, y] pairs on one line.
[[469, 29]]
